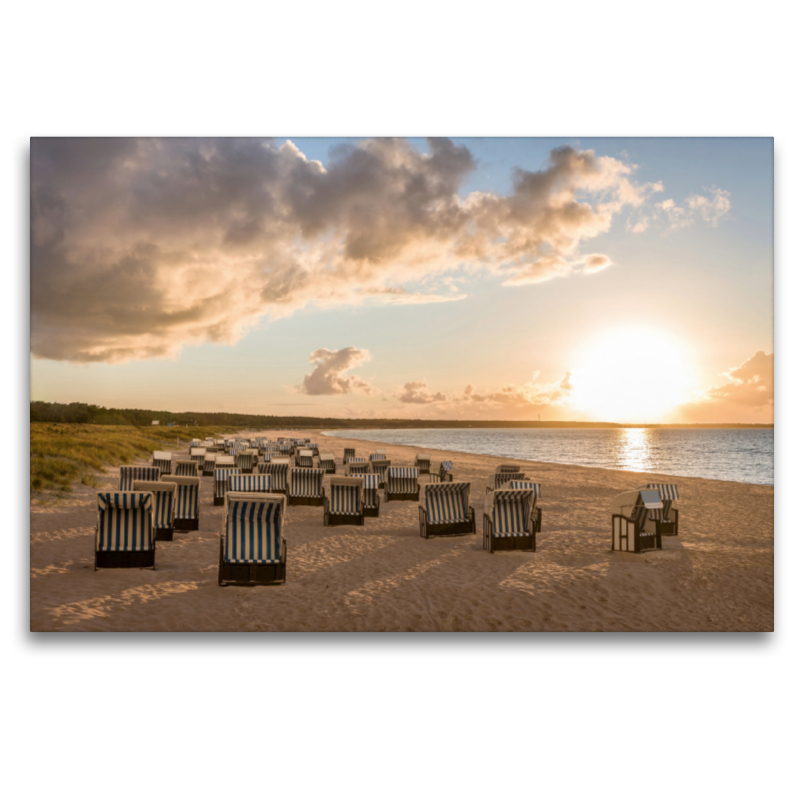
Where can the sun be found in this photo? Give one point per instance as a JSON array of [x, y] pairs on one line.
[[632, 374]]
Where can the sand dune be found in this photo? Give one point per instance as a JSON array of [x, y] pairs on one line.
[[717, 576]]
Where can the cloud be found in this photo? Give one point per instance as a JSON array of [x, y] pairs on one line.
[[596, 262], [751, 384], [710, 209], [139, 246], [524, 397], [418, 392], [328, 377]]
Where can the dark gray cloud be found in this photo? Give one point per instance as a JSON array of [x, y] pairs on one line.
[[141, 245]]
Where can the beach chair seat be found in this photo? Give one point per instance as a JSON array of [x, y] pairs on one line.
[[632, 531], [163, 506], [379, 468], [186, 515], [344, 502], [162, 461], [187, 469], [127, 475], [221, 475], [402, 483], [422, 461], [278, 475], [510, 520], [372, 500], [305, 487], [444, 510], [124, 533], [327, 462], [349, 452], [252, 548], [500, 479], [665, 519], [357, 466], [250, 484], [304, 459], [209, 465]]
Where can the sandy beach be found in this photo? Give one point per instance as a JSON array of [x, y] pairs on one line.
[[716, 576]]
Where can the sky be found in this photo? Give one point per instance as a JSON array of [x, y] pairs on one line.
[[620, 280]]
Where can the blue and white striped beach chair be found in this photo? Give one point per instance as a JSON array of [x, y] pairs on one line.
[[278, 475], [327, 462], [187, 502], [209, 465], [163, 461], [304, 458], [124, 532], [666, 519], [127, 475], [379, 468], [198, 454], [357, 466], [444, 510], [500, 479], [305, 487], [631, 530], [377, 456], [246, 461], [252, 548], [349, 452], [313, 447], [402, 483], [221, 475], [422, 461], [344, 502], [163, 506], [509, 520], [251, 484], [372, 500], [187, 469], [444, 473]]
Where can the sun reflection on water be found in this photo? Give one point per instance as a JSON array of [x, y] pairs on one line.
[[634, 449]]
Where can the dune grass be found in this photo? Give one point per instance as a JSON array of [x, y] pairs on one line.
[[62, 453]]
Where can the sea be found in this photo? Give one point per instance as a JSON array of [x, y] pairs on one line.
[[728, 454]]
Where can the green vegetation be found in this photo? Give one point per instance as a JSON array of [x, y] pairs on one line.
[[64, 453]]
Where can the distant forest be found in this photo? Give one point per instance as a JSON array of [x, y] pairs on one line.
[[98, 415]]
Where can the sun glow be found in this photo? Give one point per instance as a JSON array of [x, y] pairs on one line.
[[632, 374]]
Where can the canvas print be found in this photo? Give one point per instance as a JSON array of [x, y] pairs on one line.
[[400, 384]]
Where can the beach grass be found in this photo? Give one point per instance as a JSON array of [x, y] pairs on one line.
[[62, 453]]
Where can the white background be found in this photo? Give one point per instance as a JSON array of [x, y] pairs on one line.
[[396, 715]]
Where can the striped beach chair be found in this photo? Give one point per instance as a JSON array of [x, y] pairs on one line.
[[631, 529], [252, 548], [357, 466], [187, 469], [500, 479], [209, 465], [444, 473], [187, 502], [252, 484], [344, 502], [163, 506], [372, 500], [163, 461], [402, 483], [510, 521], [349, 452], [221, 475], [327, 462], [379, 468], [313, 447], [304, 459], [246, 460], [422, 461], [198, 454], [285, 448], [278, 475], [124, 532], [666, 520], [381, 451], [444, 510], [127, 475], [305, 487], [377, 456]]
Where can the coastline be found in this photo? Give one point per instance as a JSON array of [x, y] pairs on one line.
[[717, 575]]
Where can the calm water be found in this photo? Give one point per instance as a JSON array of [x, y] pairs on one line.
[[744, 455]]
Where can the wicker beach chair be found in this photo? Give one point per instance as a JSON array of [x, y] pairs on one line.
[[379, 468], [187, 502], [665, 520], [251, 484], [304, 459], [124, 532], [510, 520], [372, 500], [221, 475], [245, 460], [632, 531], [163, 506], [377, 456], [278, 475], [500, 479], [422, 461], [349, 452], [209, 465], [444, 474], [127, 475], [402, 483], [313, 447], [163, 461], [344, 502], [198, 454], [187, 469], [444, 510], [305, 487], [252, 548], [357, 466], [327, 462]]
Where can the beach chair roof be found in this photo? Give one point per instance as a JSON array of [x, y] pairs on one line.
[[337, 480], [326, 456], [154, 486], [181, 480], [162, 455], [623, 503], [198, 451], [222, 460]]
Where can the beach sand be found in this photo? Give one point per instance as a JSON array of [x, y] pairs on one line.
[[716, 576]]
